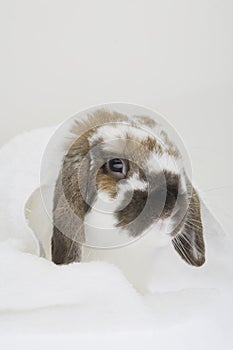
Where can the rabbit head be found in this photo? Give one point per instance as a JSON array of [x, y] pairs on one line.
[[118, 180]]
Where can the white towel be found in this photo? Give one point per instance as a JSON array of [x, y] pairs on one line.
[[189, 307]]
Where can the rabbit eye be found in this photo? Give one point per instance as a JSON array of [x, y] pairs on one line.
[[117, 167]]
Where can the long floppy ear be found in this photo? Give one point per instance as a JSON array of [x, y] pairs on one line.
[[71, 198], [189, 241]]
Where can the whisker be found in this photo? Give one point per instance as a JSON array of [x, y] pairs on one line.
[[194, 220], [192, 225], [196, 247], [180, 248]]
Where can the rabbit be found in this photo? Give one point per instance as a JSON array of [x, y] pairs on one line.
[[118, 182]]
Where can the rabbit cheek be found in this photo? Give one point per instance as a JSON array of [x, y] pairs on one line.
[[106, 183]]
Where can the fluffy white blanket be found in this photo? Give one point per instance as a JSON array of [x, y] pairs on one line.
[[87, 305]]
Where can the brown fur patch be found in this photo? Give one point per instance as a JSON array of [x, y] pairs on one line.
[[96, 119], [171, 148], [107, 183], [146, 120]]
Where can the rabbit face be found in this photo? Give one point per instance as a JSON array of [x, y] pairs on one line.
[[122, 180]]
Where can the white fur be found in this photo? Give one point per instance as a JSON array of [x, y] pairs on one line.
[[110, 132], [136, 183], [158, 163], [100, 229], [183, 185]]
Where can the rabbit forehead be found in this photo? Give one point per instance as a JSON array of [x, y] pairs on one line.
[[139, 146], [117, 130]]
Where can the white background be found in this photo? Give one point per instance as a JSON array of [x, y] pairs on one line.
[[58, 57]]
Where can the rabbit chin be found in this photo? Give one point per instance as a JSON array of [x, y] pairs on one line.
[[101, 229]]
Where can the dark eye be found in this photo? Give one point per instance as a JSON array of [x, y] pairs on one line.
[[117, 167]]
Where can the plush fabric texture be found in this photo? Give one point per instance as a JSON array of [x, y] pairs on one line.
[[96, 304]]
